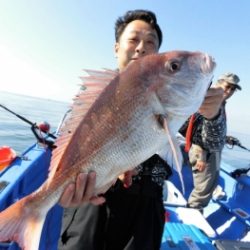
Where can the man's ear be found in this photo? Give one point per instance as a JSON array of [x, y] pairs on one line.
[[117, 46]]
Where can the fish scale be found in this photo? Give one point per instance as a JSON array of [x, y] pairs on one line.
[[136, 148]]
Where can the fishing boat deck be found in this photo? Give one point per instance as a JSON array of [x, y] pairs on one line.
[[21, 178], [225, 218], [228, 212]]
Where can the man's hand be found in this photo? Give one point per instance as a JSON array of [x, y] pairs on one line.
[[212, 102], [75, 194], [200, 165], [126, 178]]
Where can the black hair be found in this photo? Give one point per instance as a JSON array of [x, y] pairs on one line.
[[144, 15]]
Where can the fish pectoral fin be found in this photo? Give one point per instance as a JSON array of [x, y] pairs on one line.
[[172, 153], [20, 224], [167, 155]]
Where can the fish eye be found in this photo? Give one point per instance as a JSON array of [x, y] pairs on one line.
[[173, 66]]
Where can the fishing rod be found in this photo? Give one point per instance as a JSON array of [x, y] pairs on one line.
[[232, 141], [43, 127]]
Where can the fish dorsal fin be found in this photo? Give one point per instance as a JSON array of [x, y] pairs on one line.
[[92, 86]]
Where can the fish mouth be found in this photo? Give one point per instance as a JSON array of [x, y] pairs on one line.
[[208, 64]]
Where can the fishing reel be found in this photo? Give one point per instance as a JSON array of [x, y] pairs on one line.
[[232, 141], [41, 132]]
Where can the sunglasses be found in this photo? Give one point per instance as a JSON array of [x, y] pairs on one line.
[[232, 88]]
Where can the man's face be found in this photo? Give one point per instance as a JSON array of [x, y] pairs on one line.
[[228, 88], [137, 40]]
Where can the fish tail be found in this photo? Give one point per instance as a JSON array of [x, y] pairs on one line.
[[22, 224]]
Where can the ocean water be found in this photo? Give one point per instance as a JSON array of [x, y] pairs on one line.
[[18, 135]]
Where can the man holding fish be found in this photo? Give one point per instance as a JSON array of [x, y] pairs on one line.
[[133, 214]]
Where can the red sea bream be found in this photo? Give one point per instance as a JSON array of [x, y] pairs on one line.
[[116, 123]]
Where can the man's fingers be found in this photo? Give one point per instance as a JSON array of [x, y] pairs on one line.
[[98, 200], [214, 91], [67, 195], [126, 178], [212, 103], [127, 181], [80, 192], [90, 186], [81, 182]]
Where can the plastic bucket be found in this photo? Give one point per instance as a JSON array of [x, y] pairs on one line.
[[7, 155]]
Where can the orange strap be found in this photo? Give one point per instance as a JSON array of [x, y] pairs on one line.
[[189, 133]]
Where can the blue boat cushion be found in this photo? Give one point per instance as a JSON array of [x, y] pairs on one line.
[[236, 191], [183, 236]]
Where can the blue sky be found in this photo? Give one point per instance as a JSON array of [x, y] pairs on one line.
[[45, 45]]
